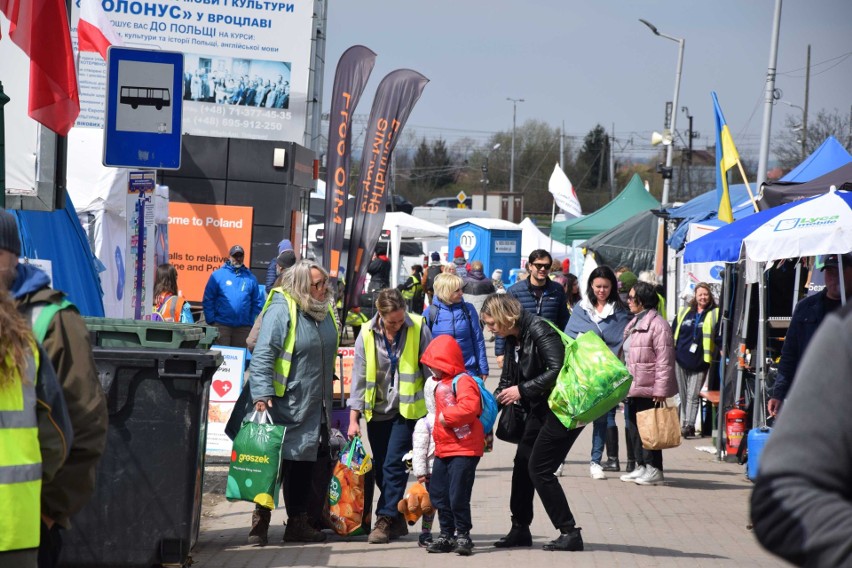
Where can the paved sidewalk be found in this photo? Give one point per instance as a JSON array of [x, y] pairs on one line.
[[698, 518]]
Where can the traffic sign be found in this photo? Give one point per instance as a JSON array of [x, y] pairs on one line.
[[143, 108]]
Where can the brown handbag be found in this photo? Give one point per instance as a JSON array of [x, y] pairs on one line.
[[659, 427]]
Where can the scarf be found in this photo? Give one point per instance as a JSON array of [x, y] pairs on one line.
[[317, 309]]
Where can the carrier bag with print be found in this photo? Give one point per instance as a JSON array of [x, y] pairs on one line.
[[254, 472], [350, 493]]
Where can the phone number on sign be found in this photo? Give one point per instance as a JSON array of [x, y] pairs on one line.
[[237, 123]]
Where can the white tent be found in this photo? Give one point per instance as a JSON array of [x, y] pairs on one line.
[[404, 226], [532, 238]]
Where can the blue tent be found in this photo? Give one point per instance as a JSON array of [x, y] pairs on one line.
[[58, 236], [828, 157]]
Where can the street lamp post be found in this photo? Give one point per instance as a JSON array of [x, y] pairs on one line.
[[804, 126], [512, 159], [485, 178], [667, 173]]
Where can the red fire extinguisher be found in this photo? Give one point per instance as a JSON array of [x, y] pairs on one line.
[[735, 429]]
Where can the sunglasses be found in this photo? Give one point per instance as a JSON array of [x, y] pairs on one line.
[[540, 266]]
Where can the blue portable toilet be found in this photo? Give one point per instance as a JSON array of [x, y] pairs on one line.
[[494, 242]]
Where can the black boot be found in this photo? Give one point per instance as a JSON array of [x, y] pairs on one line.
[[611, 463], [259, 533], [566, 541], [519, 535], [299, 529]]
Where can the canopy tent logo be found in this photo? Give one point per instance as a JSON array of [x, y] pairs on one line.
[[805, 222]]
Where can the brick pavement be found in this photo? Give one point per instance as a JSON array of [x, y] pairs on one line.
[[698, 518]]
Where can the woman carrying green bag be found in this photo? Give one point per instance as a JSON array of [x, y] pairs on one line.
[[291, 375]]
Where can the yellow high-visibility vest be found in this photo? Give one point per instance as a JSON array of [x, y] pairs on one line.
[[708, 340], [20, 460], [412, 404]]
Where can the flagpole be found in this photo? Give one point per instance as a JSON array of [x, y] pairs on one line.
[[748, 187]]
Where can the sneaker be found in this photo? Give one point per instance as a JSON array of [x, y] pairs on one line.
[[596, 471], [464, 546], [424, 540], [652, 476], [570, 541], [381, 532], [634, 475], [444, 543]]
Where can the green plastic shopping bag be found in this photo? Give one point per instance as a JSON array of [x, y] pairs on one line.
[[592, 381], [254, 472]]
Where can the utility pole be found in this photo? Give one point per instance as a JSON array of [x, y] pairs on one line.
[[512, 158], [612, 165], [769, 98], [805, 113]]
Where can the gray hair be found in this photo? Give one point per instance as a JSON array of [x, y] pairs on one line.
[[297, 282]]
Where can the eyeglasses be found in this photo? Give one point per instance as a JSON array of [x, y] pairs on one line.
[[319, 285], [540, 266], [631, 298]]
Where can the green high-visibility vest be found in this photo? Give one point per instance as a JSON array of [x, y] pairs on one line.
[[409, 294], [412, 404], [285, 360], [20, 460], [708, 340]]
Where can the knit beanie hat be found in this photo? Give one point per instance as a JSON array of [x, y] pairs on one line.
[[626, 281], [284, 245], [9, 239], [566, 265], [436, 257], [458, 252], [286, 259]]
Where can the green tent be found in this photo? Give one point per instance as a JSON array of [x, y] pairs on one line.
[[632, 200]]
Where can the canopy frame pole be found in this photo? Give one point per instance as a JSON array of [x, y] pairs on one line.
[[725, 322]]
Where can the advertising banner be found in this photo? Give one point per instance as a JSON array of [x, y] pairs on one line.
[[200, 237], [395, 98], [246, 63], [350, 78], [140, 246], [225, 388]]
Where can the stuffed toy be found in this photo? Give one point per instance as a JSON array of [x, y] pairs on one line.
[[415, 503]]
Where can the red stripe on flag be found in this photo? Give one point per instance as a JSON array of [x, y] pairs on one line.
[[91, 38]]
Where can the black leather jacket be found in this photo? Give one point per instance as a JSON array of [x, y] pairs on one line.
[[538, 363]]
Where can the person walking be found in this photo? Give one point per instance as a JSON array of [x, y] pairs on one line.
[[695, 333], [232, 300], [477, 286], [387, 390], [650, 357], [603, 313], [459, 444], [379, 270], [412, 290], [529, 377], [291, 374]]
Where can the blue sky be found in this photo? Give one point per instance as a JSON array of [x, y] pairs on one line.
[[589, 62]]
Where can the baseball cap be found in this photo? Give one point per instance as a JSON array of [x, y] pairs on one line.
[[235, 250], [831, 260]]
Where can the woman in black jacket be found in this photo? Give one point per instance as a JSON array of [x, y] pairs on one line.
[[536, 354]]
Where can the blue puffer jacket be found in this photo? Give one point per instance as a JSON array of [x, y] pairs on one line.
[[232, 297], [610, 329], [452, 320], [552, 306]]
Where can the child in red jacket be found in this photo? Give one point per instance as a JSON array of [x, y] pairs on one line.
[[459, 441]]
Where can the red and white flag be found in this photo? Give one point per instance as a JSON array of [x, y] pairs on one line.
[[40, 29], [94, 30], [563, 193]]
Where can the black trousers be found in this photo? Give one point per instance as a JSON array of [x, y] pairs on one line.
[[653, 458], [543, 448]]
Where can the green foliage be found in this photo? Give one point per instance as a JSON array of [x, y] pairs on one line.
[[594, 159]]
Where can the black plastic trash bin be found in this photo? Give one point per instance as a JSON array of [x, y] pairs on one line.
[[146, 508]]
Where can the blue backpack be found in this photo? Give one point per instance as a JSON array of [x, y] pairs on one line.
[[489, 404]]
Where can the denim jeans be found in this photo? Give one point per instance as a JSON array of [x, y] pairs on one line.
[[599, 427], [389, 441], [450, 489]]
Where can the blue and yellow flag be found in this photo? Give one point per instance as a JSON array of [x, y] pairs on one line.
[[726, 158]]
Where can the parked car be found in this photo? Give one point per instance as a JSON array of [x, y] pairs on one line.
[[448, 202], [400, 204]]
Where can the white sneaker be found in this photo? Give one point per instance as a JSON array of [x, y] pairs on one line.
[[635, 474], [596, 471], [652, 476]]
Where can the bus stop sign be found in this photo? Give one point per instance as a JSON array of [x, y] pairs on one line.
[[143, 108]]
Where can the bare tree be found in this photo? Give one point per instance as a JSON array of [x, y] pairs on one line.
[[788, 144]]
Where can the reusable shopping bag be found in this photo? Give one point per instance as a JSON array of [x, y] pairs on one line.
[[659, 427], [254, 472], [592, 381], [350, 493]]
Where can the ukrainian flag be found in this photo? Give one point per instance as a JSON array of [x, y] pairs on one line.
[[726, 158]]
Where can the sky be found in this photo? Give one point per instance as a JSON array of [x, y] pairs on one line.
[[589, 62]]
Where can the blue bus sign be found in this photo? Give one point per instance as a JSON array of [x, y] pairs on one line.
[[143, 108]]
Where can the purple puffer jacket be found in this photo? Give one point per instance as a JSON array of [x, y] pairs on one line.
[[651, 359]]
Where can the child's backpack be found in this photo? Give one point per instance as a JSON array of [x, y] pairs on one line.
[[489, 404]]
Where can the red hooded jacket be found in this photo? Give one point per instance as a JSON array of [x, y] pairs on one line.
[[445, 355]]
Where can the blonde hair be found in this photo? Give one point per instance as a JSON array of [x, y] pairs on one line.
[[445, 284], [505, 309], [390, 300], [648, 276], [297, 282], [448, 268], [16, 340]]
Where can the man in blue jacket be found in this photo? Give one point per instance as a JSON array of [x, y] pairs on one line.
[[538, 295], [232, 300], [807, 317]]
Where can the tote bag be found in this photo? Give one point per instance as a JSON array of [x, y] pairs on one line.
[[659, 427]]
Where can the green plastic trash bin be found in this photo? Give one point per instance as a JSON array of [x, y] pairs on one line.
[[146, 509], [112, 332]]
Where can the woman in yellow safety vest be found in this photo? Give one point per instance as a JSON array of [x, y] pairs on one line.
[[35, 434], [695, 347], [387, 390], [412, 290], [291, 374]]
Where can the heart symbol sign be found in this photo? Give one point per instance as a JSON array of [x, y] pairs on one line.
[[221, 387]]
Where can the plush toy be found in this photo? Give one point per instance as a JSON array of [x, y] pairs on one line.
[[415, 503]]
